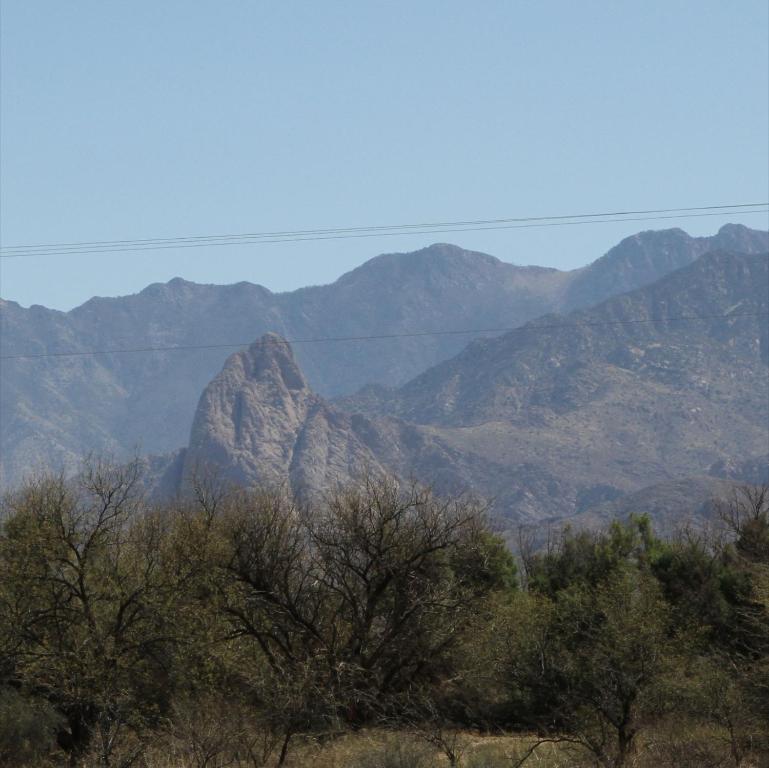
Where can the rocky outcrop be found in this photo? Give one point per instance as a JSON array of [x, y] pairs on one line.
[[258, 422]]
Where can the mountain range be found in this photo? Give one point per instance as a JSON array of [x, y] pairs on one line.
[[664, 386], [53, 409]]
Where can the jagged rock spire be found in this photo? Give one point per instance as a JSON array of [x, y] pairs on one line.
[[258, 421]]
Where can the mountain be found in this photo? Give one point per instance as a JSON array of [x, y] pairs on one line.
[[55, 409], [579, 410], [560, 365], [565, 415], [258, 422], [644, 258]]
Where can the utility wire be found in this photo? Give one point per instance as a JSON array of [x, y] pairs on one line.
[[384, 336], [200, 241], [391, 226]]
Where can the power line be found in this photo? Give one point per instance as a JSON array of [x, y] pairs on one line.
[[383, 336], [201, 241], [388, 226]]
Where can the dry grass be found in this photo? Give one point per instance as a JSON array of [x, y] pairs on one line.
[[385, 749], [688, 746]]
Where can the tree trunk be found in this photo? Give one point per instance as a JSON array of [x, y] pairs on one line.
[[625, 746], [284, 748]]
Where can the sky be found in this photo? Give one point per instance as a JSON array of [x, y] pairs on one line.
[[151, 119]]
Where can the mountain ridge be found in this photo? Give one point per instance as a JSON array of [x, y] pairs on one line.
[[665, 302]]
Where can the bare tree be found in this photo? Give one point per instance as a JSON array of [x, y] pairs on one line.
[[746, 516], [351, 601]]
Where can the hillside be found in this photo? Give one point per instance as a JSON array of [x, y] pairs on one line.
[[560, 365]]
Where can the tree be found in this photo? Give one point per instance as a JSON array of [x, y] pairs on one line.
[[591, 557], [83, 592], [351, 601], [590, 646], [613, 656]]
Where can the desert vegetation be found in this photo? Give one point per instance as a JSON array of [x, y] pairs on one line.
[[377, 626]]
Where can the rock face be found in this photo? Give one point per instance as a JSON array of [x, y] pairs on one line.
[[54, 410], [259, 422]]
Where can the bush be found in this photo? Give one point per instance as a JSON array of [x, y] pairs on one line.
[[27, 729]]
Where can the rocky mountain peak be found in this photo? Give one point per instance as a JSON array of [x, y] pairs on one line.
[[738, 237], [258, 422], [249, 417], [643, 258], [438, 259], [270, 360]]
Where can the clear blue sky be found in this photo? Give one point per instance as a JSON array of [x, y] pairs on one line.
[[151, 119]]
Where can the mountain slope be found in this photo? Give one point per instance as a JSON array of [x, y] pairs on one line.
[[646, 257], [672, 505], [585, 408], [548, 422], [562, 363]]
